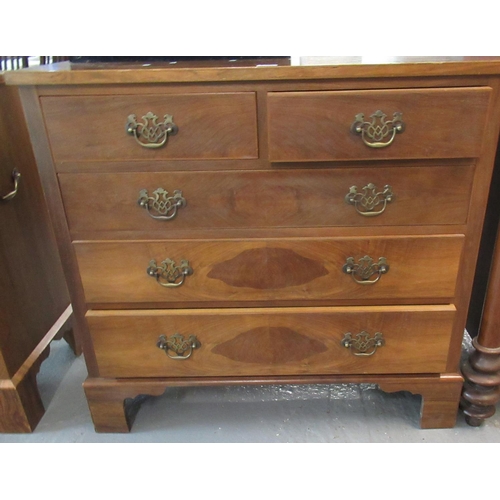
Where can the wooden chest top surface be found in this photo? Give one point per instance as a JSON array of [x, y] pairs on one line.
[[299, 68]]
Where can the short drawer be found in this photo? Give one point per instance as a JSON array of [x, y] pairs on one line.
[[282, 341], [207, 126], [161, 201], [377, 124], [217, 272]]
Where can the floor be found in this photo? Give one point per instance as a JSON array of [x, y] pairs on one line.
[[262, 414]]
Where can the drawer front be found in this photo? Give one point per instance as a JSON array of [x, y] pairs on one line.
[[433, 123], [291, 198], [209, 126], [251, 342], [263, 271]]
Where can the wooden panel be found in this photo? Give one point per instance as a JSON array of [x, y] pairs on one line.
[[33, 292], [316, 126], [210, 126], [284, 198], [272, 341], [381, 68], [264, 270]]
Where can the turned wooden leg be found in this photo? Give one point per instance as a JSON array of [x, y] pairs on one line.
[[482, 387], [440, 398], [482, 371]]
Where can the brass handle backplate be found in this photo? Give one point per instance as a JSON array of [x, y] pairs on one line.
[[365, 269], [160, 206], [368, 201], [16, 176], [181, 347], [168, 274], [379, 132], [151, 134], [363, 344]]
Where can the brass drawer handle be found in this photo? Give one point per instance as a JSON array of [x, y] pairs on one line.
[[366, 201], [179, 345], [374, 132], [160, 206], [169, 275], [16, 176], [363, 345], [149, 133], [365, 269]]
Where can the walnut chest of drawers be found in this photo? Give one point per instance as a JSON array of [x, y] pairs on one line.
[[260, 225]]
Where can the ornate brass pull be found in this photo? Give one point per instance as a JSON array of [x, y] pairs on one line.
[[165, 206], [149, 133], [16, 176], [366, 201], [169, 275], [374, 132], [363, 344], [179, 345], [365, 269]]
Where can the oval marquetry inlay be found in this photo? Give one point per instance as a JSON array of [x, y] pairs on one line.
[[267, 269], [269, 345]]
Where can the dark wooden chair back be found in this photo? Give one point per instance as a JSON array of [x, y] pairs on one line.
[[17, 62]]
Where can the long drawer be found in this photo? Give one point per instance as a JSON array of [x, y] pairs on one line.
[[259, 342], [377, 124], [160, 201], [231, 271], [207, 126]]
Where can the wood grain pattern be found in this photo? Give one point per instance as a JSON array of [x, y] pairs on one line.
[[125, 342], [440, 398], [64, 74], [271, 199], [316, 126], [267, 269], [21, 407], [210, 126], [55, 207], [421, 268], [269, 344], [33, 292], [106, 397], [481, 392], [259, 232], [484, 169]]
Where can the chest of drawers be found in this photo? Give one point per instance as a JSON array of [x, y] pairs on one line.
[[268, 225]]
